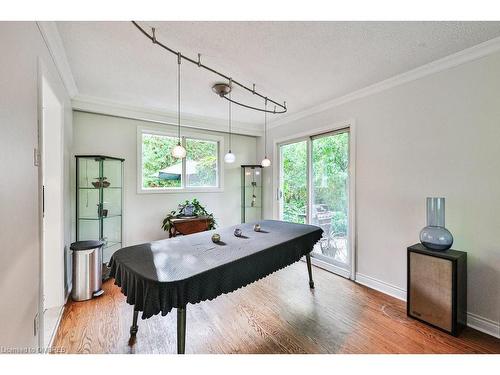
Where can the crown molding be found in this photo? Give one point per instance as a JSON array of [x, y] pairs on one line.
[[102, 106], [458, 58], [54, 43]]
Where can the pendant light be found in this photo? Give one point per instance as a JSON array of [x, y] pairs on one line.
[[178, 151], [229, 157], [265, 162]]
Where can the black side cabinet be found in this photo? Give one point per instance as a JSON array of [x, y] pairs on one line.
[[437, 288]]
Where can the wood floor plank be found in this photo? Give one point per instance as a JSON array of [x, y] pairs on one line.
[[278, 314]]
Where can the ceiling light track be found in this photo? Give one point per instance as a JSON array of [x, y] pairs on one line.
[[278, 108]]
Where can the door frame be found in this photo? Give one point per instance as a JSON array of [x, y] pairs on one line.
[[43, 75], [306, 135]]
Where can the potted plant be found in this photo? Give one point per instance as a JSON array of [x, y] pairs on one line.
[[189, 209]]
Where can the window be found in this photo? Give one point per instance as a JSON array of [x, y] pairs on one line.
[[159, 171], [201, 163]]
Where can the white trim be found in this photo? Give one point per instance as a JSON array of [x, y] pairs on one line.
[[54, 44], [484, 325], [381, 286], [330, 267], [475, 321], [461, 57], [185, 134], [102, 106]]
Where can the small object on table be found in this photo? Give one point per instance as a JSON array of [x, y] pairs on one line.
[[215, 237], [237, 232], [256, 228]]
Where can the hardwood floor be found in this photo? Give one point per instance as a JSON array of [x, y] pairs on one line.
[[278, 314]]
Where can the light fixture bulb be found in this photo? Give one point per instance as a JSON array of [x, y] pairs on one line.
[[265, 162], [230, 157], [179, 152]]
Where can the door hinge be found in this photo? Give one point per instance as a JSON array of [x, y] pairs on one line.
[[36, 157]]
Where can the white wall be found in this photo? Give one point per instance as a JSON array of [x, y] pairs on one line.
[[435, 136], [23, 50], [144, 213]]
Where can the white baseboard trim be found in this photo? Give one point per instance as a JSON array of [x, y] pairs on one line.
[[381, 286], [61, 312], [484, 325], [330, 267], [56, 327], [477, 322]]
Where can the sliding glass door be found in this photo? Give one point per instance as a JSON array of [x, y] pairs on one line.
[[314, 188], [330, 196]]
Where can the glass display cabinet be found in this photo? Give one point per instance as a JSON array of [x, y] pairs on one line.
[[99, 197], [251, 193]]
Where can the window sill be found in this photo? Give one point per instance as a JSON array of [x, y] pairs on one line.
[[181, 190]]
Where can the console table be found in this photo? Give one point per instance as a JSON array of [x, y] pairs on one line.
[[188, 225]]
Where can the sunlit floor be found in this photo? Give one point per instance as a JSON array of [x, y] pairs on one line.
[[278, 314]]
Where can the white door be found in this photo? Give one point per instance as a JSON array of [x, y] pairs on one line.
[[52, 211]]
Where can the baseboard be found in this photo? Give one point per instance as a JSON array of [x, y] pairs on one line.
[[381, 286], [61, 312], [330, 267], [56, 327], [477, 322], [483, 324]]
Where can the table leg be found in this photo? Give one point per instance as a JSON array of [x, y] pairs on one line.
[[181, 330], [309, 270], [134, 328]]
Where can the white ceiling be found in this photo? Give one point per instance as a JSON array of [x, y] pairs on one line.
[[302, 63]]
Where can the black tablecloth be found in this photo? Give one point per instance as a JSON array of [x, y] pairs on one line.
[[160, 275]]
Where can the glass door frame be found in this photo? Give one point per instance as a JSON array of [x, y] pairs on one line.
[[308, 136]]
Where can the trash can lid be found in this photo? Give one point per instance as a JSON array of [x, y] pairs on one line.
[[85, 245]]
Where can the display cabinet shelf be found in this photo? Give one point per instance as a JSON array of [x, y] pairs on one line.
[[99, 209], [251, 193]]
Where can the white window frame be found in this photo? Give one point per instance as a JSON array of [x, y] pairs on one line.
[[186, 133]]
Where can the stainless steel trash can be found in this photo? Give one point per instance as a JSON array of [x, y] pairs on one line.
[[87, 269]]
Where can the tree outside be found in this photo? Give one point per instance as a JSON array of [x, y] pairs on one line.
[[161, 170], [330, 170]]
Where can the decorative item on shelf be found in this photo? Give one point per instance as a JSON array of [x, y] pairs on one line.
[[215, 237], [187, 210], [251, 193], [101, 183], [179, 152], [435, 236], [194, 209], [237, 232], [230, 157], [257, 228]]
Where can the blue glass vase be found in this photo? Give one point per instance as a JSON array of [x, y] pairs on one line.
[[435, 236]]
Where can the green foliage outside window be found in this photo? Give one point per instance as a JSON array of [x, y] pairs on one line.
[[330, 163], [204, 154], [161, 170]]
